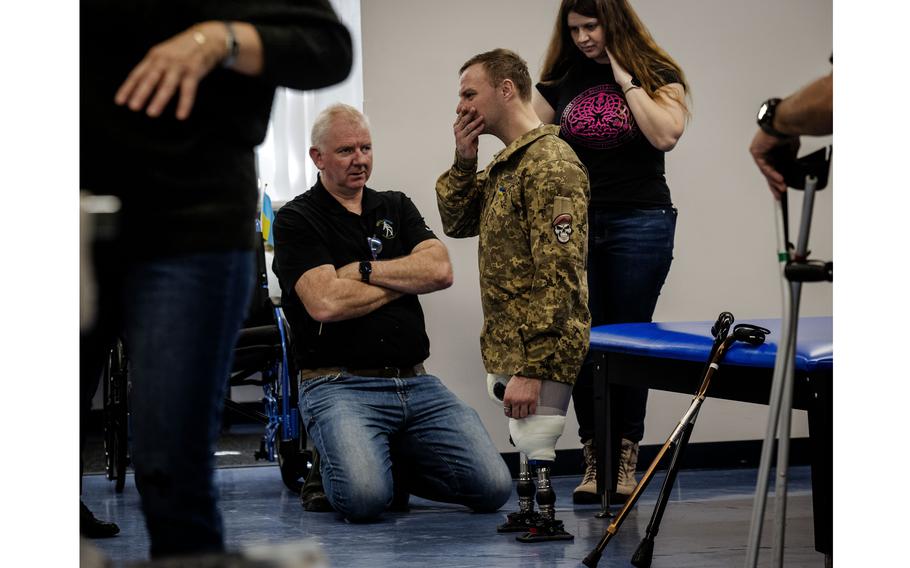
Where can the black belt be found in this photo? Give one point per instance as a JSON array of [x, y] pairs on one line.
[[381, 372]]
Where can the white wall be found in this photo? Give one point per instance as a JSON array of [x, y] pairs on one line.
[[736, 53]]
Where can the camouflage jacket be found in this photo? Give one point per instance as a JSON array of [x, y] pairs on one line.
[[530, 208]]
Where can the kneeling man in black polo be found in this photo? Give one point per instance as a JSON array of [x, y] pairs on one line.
[[351, 262]]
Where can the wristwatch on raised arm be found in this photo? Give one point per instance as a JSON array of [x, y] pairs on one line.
[[765, 118], [634, 83], [233, 48], [366, 268]]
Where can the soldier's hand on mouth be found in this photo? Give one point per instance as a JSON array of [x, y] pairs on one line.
[[468, 127]]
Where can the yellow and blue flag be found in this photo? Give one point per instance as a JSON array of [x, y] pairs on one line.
[[266, 218]]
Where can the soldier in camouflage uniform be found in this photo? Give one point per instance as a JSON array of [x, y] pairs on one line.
[[529, 207]]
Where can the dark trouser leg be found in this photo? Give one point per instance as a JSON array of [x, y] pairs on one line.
[[582, 395], [634, 402], [629, 256], [182, 315]]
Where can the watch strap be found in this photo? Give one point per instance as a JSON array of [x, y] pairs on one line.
[[233, 47], [366, 268], [634, 83], [765, 118]]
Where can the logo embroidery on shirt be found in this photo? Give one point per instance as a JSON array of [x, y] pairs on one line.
[[384, 226]]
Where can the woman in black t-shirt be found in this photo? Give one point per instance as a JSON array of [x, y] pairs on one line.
[[620, 102]]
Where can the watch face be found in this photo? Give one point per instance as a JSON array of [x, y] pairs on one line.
[[762, 111]]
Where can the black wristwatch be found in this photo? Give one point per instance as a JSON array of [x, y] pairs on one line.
[[233, 48], [765, 118], [366, 268], [634, 83]]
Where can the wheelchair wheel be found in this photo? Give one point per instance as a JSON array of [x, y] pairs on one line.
[[116, 416], [294, 461]]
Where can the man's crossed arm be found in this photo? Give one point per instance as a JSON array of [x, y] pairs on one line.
[[336, 295]]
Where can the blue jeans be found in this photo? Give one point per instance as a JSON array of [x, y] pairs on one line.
[[629, 256], [179, 317], [440, 448]]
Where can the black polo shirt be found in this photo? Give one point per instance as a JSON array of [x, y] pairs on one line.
[[314, 229]]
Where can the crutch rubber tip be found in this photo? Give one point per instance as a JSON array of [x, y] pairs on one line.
[[592, 559], [644, 553]]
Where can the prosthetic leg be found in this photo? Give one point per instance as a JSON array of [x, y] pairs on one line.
[[546, 526], [535, 437], [526, 517]]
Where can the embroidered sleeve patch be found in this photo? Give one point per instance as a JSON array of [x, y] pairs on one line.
[[562, 219]]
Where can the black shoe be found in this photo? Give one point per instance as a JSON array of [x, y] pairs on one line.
[[315, 502], [312, 494], [90, 527]]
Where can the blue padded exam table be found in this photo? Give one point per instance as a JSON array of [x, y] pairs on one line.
[[671, 357]]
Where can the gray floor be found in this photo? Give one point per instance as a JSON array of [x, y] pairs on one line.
[[706, 525]]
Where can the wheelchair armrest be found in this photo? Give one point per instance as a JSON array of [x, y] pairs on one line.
[[260, 335]]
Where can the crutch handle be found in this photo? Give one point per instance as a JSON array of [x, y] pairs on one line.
[[752, 334], [721, 327], [810, 271], [817, 164]]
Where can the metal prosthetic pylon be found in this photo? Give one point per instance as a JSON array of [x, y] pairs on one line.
[[526, 516], [546, 527]]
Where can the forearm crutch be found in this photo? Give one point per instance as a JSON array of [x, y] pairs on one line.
[[809, 173], [754, 336], [722, 341], [645, 551]]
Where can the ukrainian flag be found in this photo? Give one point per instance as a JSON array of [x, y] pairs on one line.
[[265, 219]]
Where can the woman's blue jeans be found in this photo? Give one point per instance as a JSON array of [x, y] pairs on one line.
[[179, 317], [629, 256], [440, 448]]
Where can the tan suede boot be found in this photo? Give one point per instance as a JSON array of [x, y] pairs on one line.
[[586, 492], [628, 461]]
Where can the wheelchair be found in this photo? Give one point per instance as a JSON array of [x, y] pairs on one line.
[[264, 348], [115, 393], [262, 357]]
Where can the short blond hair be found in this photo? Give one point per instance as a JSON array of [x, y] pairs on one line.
[[324, 121]]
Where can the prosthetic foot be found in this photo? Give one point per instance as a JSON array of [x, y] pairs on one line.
[[526, 517], [547, 527]]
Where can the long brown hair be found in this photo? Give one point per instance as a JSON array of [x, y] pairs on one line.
[[626, 37]]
